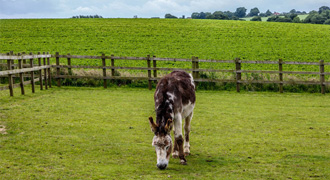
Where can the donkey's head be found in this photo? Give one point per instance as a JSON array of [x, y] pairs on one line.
[[162, 142]]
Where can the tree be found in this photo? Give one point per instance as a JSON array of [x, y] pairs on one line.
[[327, 22], [323, 8], [202, 15], [293, 11], [318, 19], [229, 14], [195, 15], [296, 20], [240, 12], [170, 16], [220, 15], [268, 13], [256, 18], [254, 12]]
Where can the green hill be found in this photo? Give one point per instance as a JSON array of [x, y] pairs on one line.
[[180, 38]]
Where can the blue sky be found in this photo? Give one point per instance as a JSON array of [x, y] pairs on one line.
[[143, 8]]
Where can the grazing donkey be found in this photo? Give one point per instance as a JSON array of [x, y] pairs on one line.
[[174, 101]]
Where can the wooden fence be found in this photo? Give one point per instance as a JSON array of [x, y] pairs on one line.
[[23, 67], [151, 69]]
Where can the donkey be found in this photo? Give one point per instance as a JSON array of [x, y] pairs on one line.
[[174, 100]]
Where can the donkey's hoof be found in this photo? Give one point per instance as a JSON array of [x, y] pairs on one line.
[[186, 153], [183, 162], [175, 154]]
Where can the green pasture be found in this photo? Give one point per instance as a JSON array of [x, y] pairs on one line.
[[179, 38], [94, 133]]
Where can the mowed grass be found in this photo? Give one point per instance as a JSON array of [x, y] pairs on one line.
[[94, 133]]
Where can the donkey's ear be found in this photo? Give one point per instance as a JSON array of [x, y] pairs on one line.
[[169, 125], [153, 125]]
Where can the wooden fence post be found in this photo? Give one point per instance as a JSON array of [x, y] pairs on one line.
[[24, 60], [10, 77], [322, 79], [49, 73], [154, 63], [40, 72], [238, 74], [193, 67], [45, 72], [32, 75], [280, 68], [104, 71], [21, 79], [112, 65], [197, 71], [149, 72], [69, 64], [58, 69]]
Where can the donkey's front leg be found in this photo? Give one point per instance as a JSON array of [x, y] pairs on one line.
[[186, 134], [179, 138]]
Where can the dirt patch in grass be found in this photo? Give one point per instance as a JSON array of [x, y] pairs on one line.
[[3, 129]]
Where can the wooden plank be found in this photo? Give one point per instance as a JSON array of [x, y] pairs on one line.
[[193, 67], [197, 70], [301, 63], [216, 61], [17, 71], [45, 72], [32, 75], [108, 77], [49, 73], [322, 79], [149, 72], [40, 73], [238, 74], [58, 69], [10, 78], [21, 79], [277, 72], [172, 59], [280, 67], [14, 57], [154, 63], [112, 65], [69, 64], [18, 85], [77, 56], [104, 71], [215, 80], [143, 68], [258, 62]]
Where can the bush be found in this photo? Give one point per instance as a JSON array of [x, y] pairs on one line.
[[327, 22], [256, 18]]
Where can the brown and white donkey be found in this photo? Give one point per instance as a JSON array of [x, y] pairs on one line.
[[174, 100]]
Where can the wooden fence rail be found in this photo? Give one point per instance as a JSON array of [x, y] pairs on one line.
[[151, 69], [23, 67]]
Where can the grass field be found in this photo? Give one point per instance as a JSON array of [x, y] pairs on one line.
[[94, 133], [180, 38]]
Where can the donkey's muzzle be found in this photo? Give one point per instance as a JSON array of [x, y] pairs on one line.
[[161, 166]]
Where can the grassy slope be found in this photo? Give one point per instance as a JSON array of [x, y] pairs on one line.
[[207, 39], [85, 133]]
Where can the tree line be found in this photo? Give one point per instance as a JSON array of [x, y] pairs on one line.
[[315, 17], [86, 16]]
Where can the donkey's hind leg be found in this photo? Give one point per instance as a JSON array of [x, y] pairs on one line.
[[186, 134], [175, 153]]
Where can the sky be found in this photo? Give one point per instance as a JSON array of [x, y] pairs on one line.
[[143, 8]]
